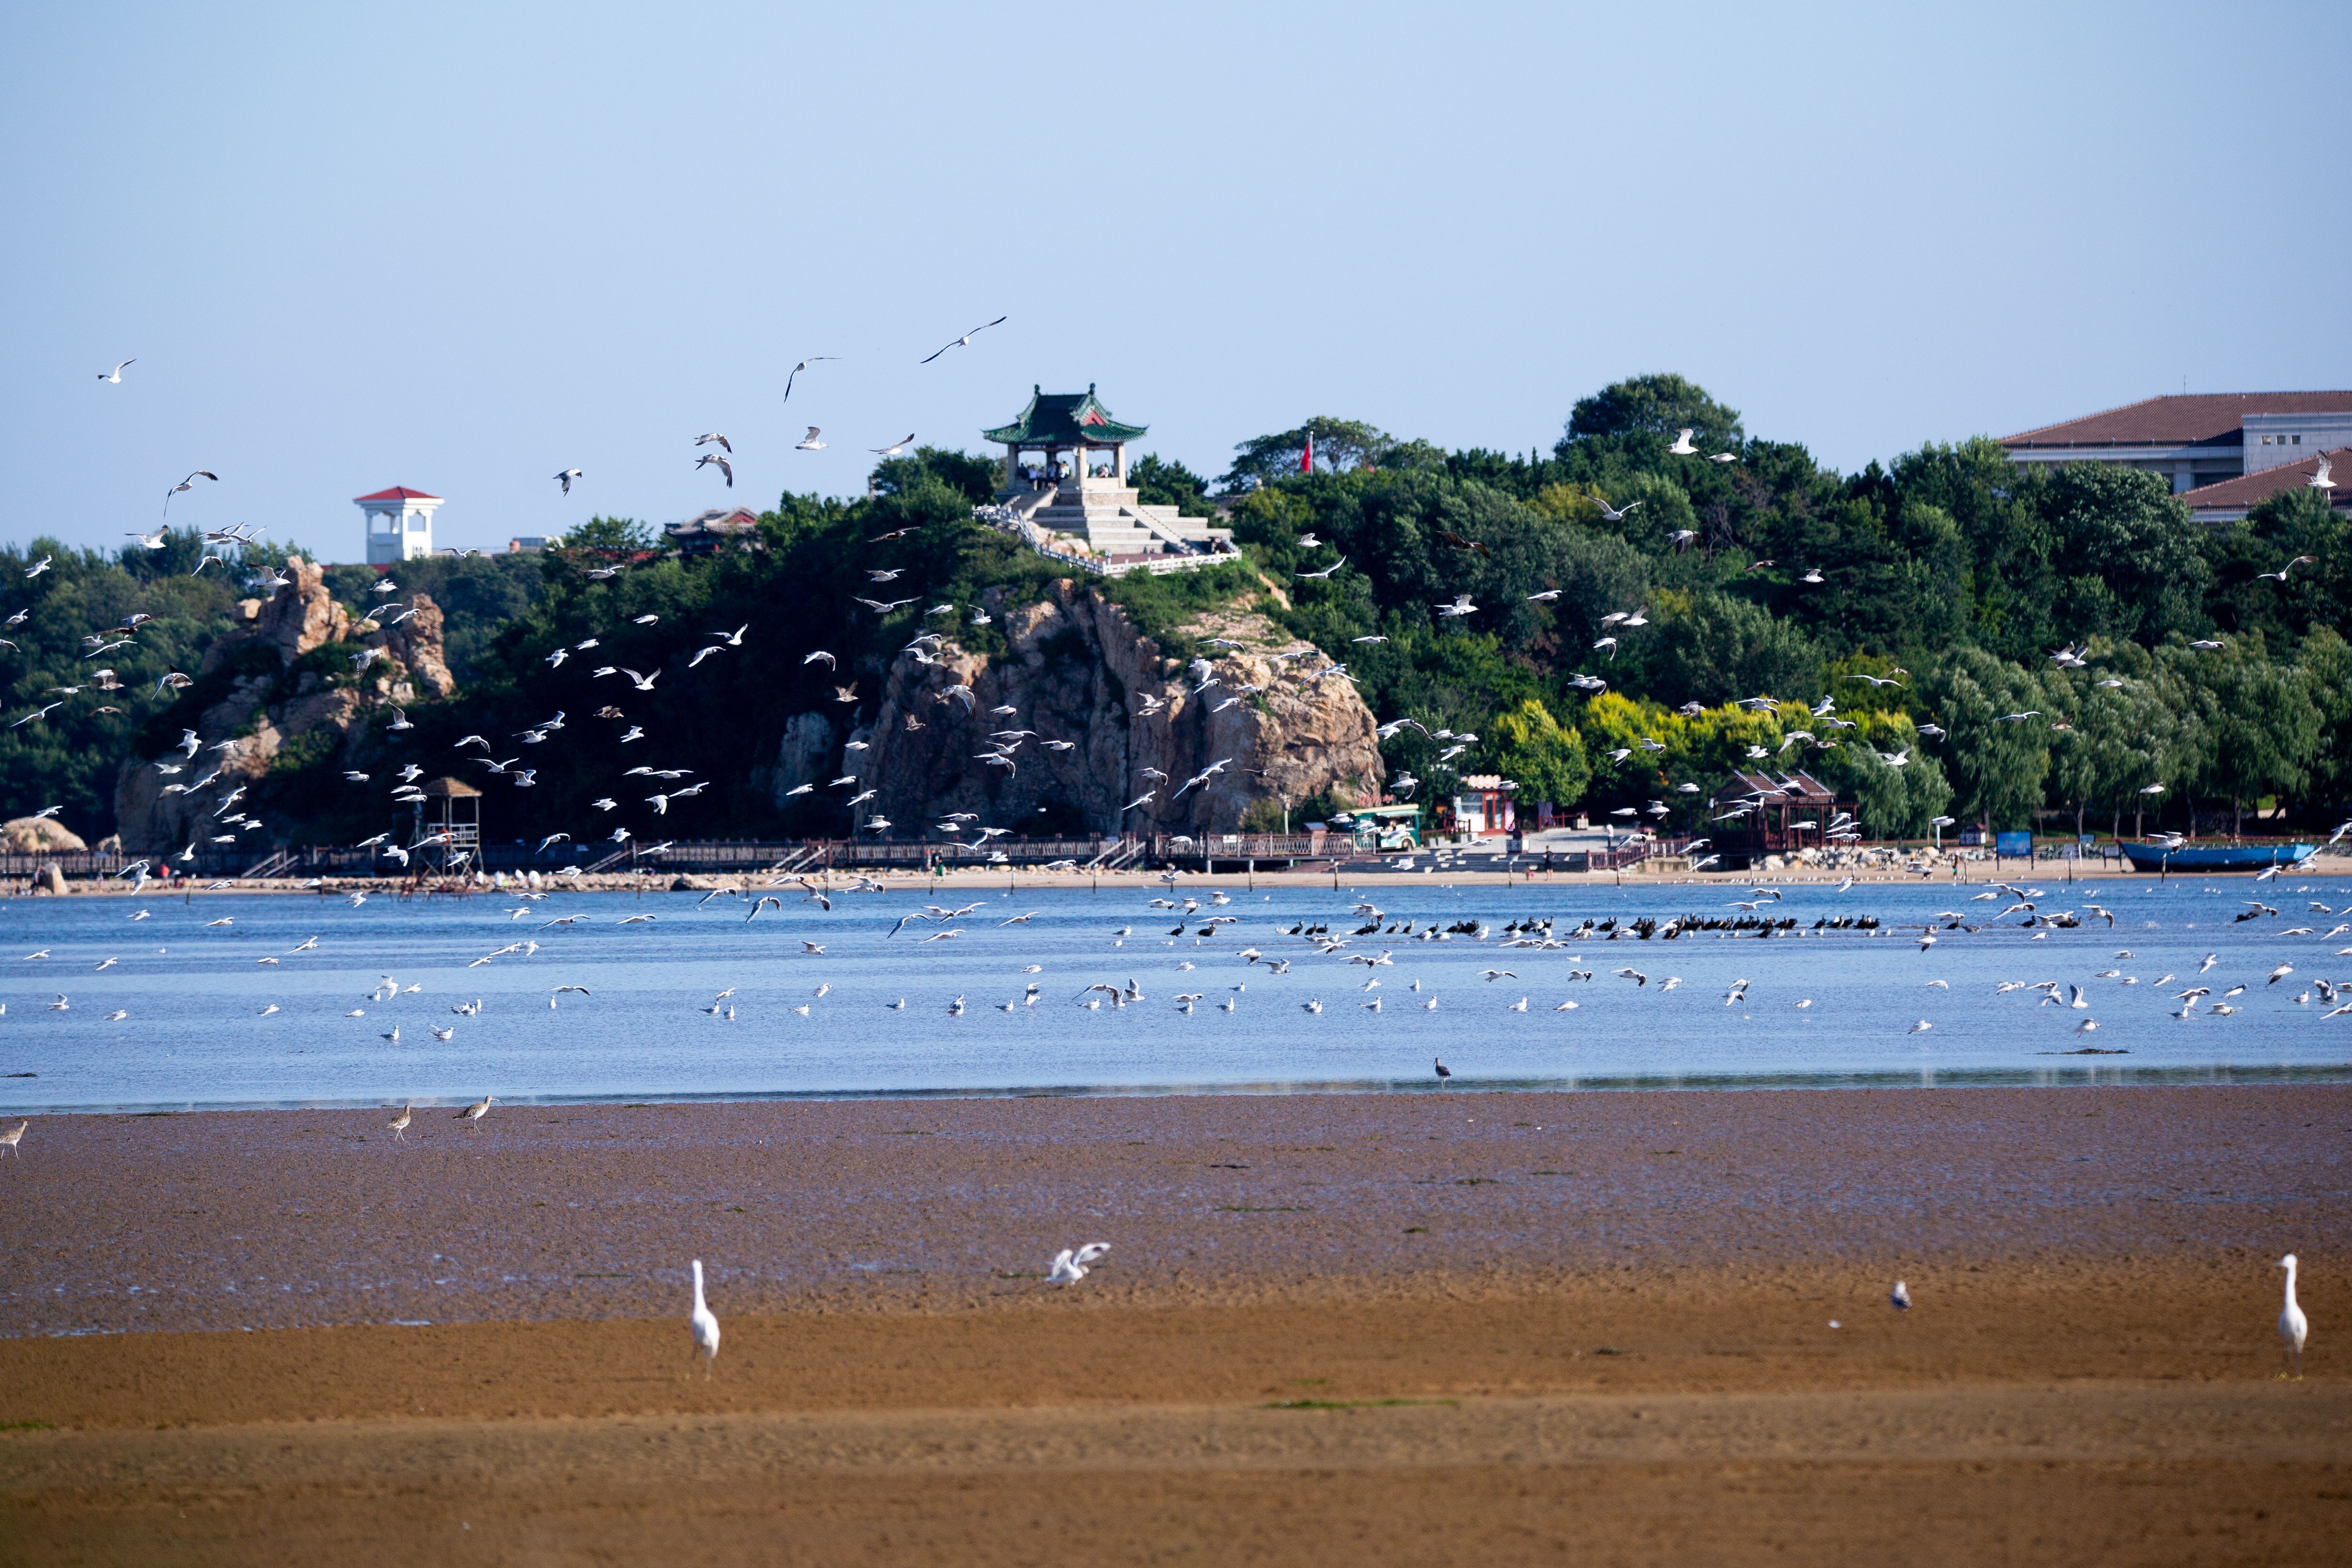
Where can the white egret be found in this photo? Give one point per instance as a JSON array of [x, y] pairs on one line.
[[704, 1324], [2293, 1327]]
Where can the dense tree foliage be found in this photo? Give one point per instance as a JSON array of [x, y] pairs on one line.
[[1638, 620]]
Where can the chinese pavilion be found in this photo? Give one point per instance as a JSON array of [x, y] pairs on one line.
[[1065, 485]]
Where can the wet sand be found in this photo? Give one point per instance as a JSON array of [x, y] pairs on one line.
[[1427, 1328]]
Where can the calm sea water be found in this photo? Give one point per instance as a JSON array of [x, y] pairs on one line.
[[190, 981]]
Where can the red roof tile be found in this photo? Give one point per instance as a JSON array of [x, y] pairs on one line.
[[397, 493], [2179, 421], [2252, 489]]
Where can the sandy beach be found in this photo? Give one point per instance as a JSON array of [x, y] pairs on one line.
[[1432, 1328]]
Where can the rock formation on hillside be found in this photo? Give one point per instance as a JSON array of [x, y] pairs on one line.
[[37, 835], [270, 694], [1080, 671]]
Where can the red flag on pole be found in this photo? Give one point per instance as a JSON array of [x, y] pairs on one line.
[[1306, 459]]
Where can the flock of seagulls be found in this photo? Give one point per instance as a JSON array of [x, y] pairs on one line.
[[723, 459]]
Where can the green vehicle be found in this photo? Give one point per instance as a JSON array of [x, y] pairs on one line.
[[1384, 829]]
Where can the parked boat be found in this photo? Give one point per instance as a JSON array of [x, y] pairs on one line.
[[2215, 857]]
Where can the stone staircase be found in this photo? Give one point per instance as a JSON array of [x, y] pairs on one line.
[[1113, 521]]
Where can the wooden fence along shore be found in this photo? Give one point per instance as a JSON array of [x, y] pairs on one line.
[[1094, 854]]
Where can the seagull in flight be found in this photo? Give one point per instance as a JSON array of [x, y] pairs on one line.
[[724, 467], [897, 446], [810, 442], [965, 341], [188, 484], [805, 364], [1682, 446], [566, 477], [705, 440], [1325, 573], [114, 376]]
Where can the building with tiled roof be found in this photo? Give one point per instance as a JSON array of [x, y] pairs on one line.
[[2230, 501], [705, 531], [399, 524], [1066, 490], [2196, 440]]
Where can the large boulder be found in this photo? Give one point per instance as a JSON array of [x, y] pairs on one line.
[[38, 836], [272, 704], [1080, 671]]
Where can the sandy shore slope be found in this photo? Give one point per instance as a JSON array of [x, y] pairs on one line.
[[1428, 1329]]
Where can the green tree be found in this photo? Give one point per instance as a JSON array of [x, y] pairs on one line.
[[1341, 445], [602, 538], [1996, 764], [1654, 405], [2129, 560], [2264, 726], [1714, 648], [1164, 481], [1547, 761]]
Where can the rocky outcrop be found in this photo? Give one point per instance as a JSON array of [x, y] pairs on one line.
[[801, 755], [268, 699], [1080, 672], [37, 835]]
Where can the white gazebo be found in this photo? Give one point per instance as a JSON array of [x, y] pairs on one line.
[[399, 524]]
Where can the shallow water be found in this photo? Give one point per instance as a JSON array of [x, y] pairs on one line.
[[191, 989]]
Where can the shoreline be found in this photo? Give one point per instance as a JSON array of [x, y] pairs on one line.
[[2099, 1071], [1482, 1327], [1983, 873]]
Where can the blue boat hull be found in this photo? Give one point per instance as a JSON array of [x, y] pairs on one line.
[[2215, 857]]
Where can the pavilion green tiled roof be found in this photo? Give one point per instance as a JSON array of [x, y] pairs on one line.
[[1065, 419]]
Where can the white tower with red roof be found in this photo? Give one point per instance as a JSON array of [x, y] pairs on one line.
[[399, 524]]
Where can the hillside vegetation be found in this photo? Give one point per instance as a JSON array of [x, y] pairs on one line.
[[1945, 582]]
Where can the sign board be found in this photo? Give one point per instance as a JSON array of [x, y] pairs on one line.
[[2018, 844]]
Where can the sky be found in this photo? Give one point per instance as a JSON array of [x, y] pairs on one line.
[[463, 247]]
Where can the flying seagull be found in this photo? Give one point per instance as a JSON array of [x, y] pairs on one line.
[[724, 467], [810, 442], [188, 484], [706, 439], [965, 341], [896, 447], [805, 364], [566, 477], [115, 375]]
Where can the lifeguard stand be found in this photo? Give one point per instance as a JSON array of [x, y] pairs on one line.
[[449, 832]]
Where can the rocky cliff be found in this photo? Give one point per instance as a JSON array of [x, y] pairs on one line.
[[263, 697], [1108, 706]]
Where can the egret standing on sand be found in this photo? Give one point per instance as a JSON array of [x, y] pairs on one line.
[[705, 1324], [2293, 1327]]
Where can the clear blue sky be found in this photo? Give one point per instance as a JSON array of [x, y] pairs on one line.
[[460, 247]]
